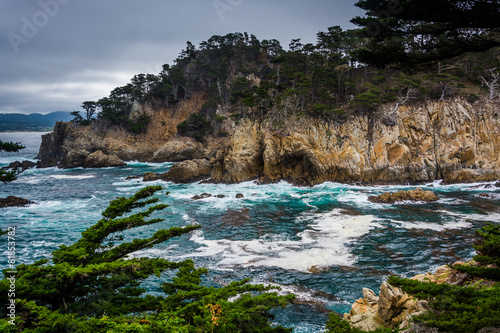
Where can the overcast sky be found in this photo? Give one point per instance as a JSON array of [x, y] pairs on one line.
[[55, 54]]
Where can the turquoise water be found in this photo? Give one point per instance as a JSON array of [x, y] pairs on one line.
[[323, 243]]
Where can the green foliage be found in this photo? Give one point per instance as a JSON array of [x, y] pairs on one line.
[[487, 247], [413, 32], [367, 100], [8, 176], [91, 285], [138, 126], [463, 308], [455, 308], [196, 126], [11, 146]]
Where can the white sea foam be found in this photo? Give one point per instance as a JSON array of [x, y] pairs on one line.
[[461, 224], [354, 197], [323, 244], [77, 177]]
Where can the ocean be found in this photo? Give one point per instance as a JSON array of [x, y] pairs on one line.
[[324, 243]]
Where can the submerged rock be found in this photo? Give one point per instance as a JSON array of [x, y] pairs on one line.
[[417, 194], [201, 196], [20, 166], [12, 201]]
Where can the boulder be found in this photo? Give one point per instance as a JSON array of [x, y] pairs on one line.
[[20, 166], [99, 160], [201, 196], [74, 159], [179, 149], [188, 171], [417, 194], [239, 195], [12, 201]]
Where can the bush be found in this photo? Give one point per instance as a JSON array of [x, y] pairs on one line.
[[11, 146], [463, 308]]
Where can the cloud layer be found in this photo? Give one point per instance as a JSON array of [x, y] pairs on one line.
[[58, 53]]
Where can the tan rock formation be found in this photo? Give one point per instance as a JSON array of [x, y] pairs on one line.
[[188, 171], [417, 194], [72, 144], [451, 140], [393, 307], [99, 160]]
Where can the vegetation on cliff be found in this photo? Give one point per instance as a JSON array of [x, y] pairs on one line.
[[416, 32], [244, 77], [92, 285]]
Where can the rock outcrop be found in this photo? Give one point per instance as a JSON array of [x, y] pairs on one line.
[[183, 172], [68, 146], [12, 201], [393, 307], [451, 140], [417, 194], [100, 160], [20, 166]]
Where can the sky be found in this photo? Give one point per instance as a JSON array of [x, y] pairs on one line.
[[56, 54]]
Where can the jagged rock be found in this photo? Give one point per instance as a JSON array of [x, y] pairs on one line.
[[188, 171], [497, 184], [201, 196], [151, 176], [51, 146], [239, 195], [394, 308], [220, 196], [179, 149], [74, 159], [421, 143], [21, 166], [12, 201], [100, 160], [417, 194]]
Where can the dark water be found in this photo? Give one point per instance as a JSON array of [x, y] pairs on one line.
[[323, 243]]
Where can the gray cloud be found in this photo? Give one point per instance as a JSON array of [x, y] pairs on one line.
[[58, 53]]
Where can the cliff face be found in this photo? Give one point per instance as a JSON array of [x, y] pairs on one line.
[[451, 140], [70, 145]]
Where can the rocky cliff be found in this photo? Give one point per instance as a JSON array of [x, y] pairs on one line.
[[70, 146], [451, 140]]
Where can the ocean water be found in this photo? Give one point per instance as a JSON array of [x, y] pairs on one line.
[[323, 243]]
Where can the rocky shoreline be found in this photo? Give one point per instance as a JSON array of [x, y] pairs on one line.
[[452, 141], [393, 308]]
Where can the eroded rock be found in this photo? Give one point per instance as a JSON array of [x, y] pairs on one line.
[[202, 196], [12, 201], [100, 160], [188, 171], [417, 194]]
